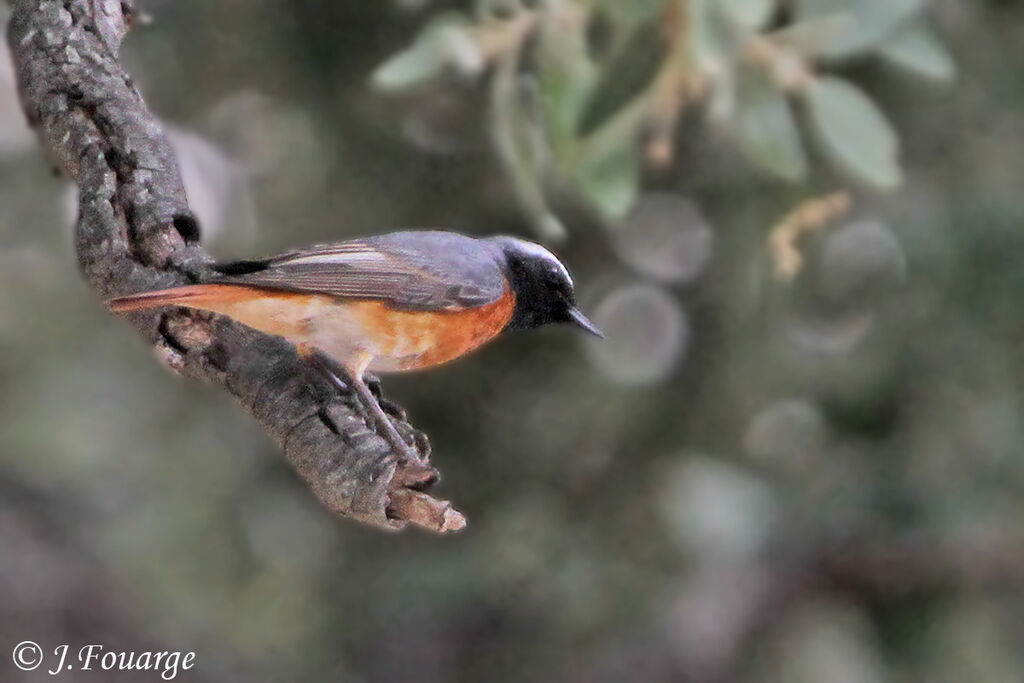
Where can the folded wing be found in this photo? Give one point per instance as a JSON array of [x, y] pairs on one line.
[[411, 270]]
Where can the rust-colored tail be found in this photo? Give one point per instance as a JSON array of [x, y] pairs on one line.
[[190, 295]]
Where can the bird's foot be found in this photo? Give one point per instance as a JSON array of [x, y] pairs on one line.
[[335, 372]]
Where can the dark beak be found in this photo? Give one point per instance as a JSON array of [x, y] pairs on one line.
[[579, 320]]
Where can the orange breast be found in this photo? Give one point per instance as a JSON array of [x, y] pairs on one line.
[[353, 332], [409, 340]]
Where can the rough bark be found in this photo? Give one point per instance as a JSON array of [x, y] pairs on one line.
[[135, 232]]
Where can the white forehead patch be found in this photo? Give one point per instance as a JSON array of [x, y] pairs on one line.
[[540, 253]]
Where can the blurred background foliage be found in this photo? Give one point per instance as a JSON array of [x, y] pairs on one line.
[[797, 456], [575, 86]]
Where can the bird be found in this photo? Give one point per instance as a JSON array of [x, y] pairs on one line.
[[395, 302]]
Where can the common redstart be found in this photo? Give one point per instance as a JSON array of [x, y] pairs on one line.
[[396, 302]]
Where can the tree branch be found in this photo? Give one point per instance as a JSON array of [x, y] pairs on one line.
[[135, 232]]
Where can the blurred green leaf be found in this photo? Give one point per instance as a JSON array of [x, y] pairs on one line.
[[489, 10], [714, 46], [766, 128], [712, 43], [751, 13], [854, 132], [444, 43], [871, 21], [518, 138], [631, 12], [408, 68], [623, 75], [608, 174], [812, 37], [567, 78], [918, 50]]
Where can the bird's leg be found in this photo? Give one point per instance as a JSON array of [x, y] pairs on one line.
[[334, 372]]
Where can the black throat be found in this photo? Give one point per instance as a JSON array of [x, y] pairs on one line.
[[538, 299]]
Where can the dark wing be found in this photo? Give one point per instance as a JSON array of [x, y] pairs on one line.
[[411, 270]]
